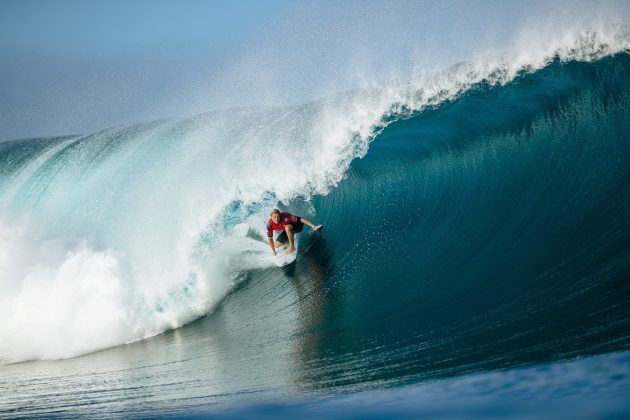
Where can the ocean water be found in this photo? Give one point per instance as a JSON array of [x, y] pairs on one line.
[[476, 252]]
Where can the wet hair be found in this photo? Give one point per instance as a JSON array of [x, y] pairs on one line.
[[274, 211]]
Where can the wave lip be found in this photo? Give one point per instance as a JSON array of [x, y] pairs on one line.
[[121, 232]]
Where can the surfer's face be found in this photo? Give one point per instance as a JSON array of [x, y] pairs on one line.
[[275, 217]]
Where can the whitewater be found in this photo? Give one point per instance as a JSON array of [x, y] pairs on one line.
[[120, 235], [475, 256]]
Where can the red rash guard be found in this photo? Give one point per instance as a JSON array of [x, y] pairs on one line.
[[285, 219]]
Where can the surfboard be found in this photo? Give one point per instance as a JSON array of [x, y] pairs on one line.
[[282, 258]]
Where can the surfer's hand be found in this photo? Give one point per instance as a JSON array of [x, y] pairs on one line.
[[274, 252]]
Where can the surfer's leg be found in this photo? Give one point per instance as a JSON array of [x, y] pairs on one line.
[[289, 230], [281, 239]]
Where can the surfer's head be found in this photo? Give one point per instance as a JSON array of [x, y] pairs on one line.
[[275, 215]]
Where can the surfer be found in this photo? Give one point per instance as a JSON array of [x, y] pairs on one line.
[[288, 225]]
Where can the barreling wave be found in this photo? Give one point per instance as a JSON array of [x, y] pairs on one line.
[[120, 235], [489, 232]]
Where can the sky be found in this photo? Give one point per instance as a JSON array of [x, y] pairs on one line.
[[76, 67]]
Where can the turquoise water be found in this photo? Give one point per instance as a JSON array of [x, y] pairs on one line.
[[483, 238]]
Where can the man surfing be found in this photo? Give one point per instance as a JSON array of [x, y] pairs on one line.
[[285, 225]]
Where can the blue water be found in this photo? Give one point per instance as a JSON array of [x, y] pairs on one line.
[[476, 256]]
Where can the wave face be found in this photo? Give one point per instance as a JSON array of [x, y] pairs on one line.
[[486, 225], [490, 231]]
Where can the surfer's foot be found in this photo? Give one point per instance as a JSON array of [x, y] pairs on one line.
[[290, 250]]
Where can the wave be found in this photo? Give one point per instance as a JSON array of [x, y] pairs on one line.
[[120, 235], [489, 232]]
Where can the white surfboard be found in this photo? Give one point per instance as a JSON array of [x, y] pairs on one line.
[[282, 258]]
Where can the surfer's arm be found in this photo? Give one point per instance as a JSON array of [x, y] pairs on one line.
[[271, 244], [308, 223]]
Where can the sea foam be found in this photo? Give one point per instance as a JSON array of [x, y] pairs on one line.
[[120, 235]]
